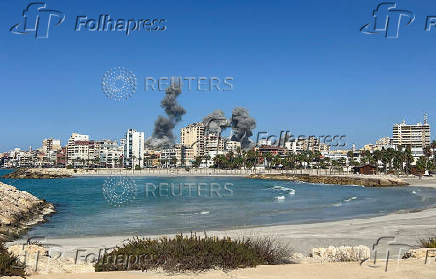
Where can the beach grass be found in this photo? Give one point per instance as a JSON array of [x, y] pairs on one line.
[[428, 243], [193, 253], [9, 264]]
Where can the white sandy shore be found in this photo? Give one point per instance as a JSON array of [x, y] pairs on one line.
[[396, 270], [406, 228]]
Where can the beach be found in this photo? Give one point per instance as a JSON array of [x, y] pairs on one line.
[[397, 270], [396, 232]]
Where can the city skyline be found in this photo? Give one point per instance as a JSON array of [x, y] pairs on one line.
[[258, 133], [330, 80]]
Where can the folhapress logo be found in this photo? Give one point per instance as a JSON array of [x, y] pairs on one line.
[[38, 19], [387, 20]]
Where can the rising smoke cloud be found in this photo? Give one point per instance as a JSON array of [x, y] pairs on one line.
[[215, 122], [242, 126], [163, 136], [241, 123]]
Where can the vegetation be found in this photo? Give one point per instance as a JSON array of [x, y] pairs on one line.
[[390, 160], [428, 243], [9, 264], [193, 253]]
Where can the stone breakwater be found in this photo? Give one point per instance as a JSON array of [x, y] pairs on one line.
[[370, 181], [38, 174], [19, 210]]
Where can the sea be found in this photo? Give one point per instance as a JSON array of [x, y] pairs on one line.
[[129, 206]]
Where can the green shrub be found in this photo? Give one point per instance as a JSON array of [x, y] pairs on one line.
[[9, 264], [193, 253], [428, 243]]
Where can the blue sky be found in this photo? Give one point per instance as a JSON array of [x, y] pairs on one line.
[[301, 66]]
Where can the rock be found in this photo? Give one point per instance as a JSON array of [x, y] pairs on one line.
[[420, 253], [38, 174], [370, 181], [341, 254], [38, 261], [19, 210]]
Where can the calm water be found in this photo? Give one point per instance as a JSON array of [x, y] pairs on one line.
[[82, 209]]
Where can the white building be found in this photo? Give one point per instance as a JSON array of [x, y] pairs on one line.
[[111, 155], [134, 149], [79, 150], [416, 136], [233, 146]]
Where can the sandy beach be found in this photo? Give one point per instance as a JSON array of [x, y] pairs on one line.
[[401, 228], [397, 270], [395, 232]]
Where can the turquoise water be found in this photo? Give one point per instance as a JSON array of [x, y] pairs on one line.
[[84, 210]]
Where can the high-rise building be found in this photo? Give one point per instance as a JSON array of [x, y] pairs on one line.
[[134, 149], [413, 135], [192, 136], [79, 149], [416, 136], [51, 145]]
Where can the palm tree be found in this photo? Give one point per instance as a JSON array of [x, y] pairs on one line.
[[408, 158], [268, 157], [433, 147]]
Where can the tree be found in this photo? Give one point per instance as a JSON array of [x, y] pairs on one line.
[[197, 161], [408, 158], [421, 164], [268, 157]]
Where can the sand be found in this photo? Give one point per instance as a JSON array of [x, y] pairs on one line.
[[396, 270], [401, 232], [405, 229]]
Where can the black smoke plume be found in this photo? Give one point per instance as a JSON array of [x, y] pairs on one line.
[[242, 126], [163, 136], [216, 122]]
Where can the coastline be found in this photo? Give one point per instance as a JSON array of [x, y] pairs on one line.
[[19, 211], [308, 175], [406, 228]]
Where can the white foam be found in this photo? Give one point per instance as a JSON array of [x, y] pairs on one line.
[[280, 198]]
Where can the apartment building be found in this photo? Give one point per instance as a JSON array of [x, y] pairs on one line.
[[79, 150], [417, 136], [192, 136], [134, 147], [51, 144], [233, 146]]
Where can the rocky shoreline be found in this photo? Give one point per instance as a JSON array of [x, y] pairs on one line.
[[369, 181], [37, 174], [20, 210]]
